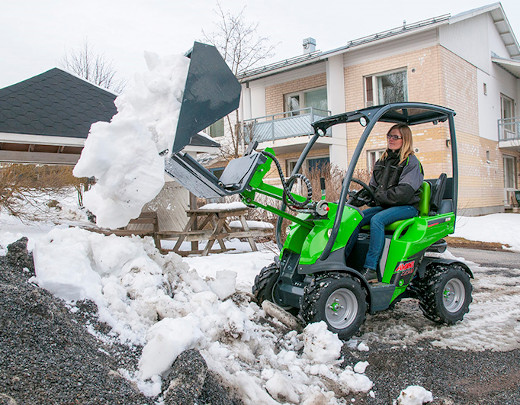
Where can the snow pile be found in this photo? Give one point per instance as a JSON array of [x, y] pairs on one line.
[[414, 395], [499, 228], [156, 301], [123, 155]]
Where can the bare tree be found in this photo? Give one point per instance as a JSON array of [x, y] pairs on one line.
[[27, 191], [93, 67], [242, 48]]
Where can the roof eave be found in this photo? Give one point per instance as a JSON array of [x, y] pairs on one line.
[[499, 16], [322, 56]]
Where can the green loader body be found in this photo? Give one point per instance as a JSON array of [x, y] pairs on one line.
[[316, 276]]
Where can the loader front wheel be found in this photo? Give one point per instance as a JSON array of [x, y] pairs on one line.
[[445, 294], [264, 287], [337, 299]]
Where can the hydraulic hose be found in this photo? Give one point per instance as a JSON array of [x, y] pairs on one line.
[[287, 197]]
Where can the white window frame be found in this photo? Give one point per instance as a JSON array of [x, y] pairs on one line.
[[290, 163], [507, 115], [301, 95], [372, 157], [375, 92], [509, 191]]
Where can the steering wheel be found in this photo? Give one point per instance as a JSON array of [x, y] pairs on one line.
[[360, 197]]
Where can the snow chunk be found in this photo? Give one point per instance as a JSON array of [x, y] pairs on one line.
[[320, 344], [281, 389], [123, 155], [362, 347], [252, 225], [361, 366], [166, 340], [224, 285], [414, 395], [224, 206], [355, 382]]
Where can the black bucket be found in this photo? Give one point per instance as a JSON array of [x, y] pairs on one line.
[[212, 91]]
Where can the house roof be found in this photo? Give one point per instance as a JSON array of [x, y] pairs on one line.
[[54, 103], [512, 66], [501, 23], [496, 11]]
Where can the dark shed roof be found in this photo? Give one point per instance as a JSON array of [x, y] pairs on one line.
[[57, 103], [54, 103]]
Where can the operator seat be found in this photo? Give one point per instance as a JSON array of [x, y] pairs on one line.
[[424, 206]]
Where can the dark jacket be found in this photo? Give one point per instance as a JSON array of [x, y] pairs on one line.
[[397, 183]]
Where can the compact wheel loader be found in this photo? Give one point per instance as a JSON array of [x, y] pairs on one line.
[[315, 275]]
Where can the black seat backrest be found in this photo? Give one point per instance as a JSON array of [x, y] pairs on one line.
[[437, 194]]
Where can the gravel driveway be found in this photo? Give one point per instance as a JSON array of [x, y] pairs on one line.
[[47, 357], [453, 376]]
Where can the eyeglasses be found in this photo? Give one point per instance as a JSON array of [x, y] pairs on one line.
[[394, 137]]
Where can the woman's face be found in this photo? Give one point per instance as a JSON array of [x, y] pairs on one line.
[[394, 139]]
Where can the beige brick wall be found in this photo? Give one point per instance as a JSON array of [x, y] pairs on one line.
[[424, 77], [435, 75], [481, 183], [274, 95]]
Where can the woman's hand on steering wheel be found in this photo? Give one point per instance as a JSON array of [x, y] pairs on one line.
[[364, 196]]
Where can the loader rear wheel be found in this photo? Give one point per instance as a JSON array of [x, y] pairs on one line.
[[337, 299], [264, 286], [445, 294]]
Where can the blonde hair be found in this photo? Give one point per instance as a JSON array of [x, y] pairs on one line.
[[407, 147]]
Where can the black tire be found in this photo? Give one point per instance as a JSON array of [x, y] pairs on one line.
[[445, 294], [264, 286], [337, 299]]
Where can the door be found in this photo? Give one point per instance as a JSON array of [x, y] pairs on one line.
[[509, 180]]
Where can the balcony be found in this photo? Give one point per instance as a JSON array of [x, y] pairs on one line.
[[509, 133], [283, 125]]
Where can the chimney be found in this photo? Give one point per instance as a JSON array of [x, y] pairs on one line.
[[309, 45]]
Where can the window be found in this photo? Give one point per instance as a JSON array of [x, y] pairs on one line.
[[315, 98], [386, 88], [317, 164], [507, 113], [373, 156], [311, 164], [216, 130]]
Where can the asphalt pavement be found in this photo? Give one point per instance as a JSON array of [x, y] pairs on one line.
[[489, 258]]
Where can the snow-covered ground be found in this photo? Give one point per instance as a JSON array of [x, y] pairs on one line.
[[169, 304]]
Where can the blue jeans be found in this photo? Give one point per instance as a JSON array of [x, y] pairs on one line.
[[378, 218]]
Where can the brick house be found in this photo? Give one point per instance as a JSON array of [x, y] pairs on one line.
[[468, 62]]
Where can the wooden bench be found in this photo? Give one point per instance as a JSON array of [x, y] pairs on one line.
[[145, 225], [203, 225]]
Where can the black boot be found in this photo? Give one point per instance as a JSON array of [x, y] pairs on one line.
[[370, 275]]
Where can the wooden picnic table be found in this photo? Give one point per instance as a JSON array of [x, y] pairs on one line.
[[212, 225]]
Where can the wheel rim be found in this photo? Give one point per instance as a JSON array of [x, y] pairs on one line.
[[341, 308], [453, 295]]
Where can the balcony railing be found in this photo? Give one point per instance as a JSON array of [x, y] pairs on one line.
[[509, 129], [283, 125]]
